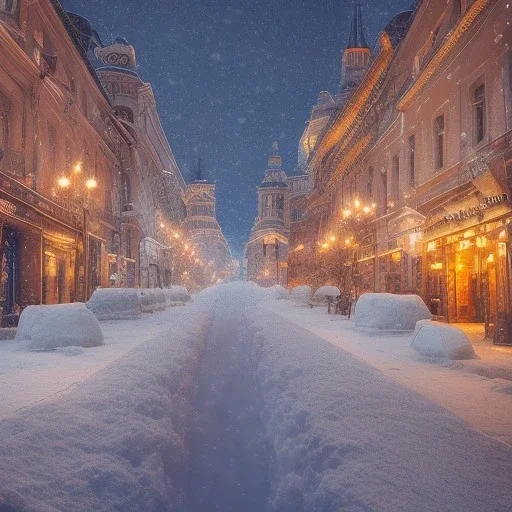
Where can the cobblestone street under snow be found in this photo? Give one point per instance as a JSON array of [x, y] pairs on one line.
[[227, 404]]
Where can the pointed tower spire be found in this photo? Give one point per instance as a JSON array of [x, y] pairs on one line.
[[356, 38], [356, 57]]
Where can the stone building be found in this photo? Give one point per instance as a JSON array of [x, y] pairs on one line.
[[151, 182], [411, 176], [208, 247], [58, 162], [90, 193], [266, 252]]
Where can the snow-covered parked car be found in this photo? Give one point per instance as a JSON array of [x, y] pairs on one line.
[[115, 303], [301, 294], [277, 292], [176, 295], [60, 325], [161, 302], [390, 312], [148, 300], [441, 341], [324, 295]]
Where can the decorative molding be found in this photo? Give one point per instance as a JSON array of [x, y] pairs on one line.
[[442, 53]]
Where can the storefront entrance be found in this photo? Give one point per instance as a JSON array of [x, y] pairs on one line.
[[59, 274], [9, 276], [466, 275]]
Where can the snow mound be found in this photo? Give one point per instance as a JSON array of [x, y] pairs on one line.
[[115, 303], [161, 302], [59, 325], [390, 312], [176, 294], [301, 294], [277, 292], [327, 291], [438, 340], [147, 299]]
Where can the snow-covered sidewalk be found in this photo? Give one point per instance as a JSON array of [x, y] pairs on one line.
[[30, 377], [477, 391], [227, 404], [108, 432]]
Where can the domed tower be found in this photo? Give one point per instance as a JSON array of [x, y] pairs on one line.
[[202, 227], [356, 56], [267, 249]]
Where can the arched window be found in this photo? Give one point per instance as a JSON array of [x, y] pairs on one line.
[[124, 113]]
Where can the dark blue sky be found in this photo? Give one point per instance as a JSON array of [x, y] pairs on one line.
[[232, 76]]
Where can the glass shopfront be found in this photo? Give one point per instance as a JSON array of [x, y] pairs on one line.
[[466, 276]]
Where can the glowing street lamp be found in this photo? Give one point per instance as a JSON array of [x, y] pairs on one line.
[[64, 182], [91, 183]]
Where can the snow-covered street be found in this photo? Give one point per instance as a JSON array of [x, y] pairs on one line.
[[241, 402]]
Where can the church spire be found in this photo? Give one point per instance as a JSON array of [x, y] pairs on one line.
[[356, 38], [356, 57]]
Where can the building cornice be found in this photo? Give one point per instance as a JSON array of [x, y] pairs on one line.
[[352, 111], [442, 53]]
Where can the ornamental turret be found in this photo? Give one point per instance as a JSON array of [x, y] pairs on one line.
[[356, 57]]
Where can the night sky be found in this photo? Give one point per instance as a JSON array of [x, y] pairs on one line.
[[232, 76]]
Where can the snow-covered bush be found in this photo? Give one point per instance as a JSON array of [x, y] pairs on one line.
[[115, 303], [147, 299], [390, 312], [59, 325], [301, 294], [442, 341]]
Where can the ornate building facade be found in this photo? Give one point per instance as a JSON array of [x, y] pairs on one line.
[[90, 192], [266, 252], [208, 247], [411, 174]]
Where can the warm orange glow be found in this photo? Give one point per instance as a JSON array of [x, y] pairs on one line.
[[503, 234], [366, 209], [464, 244], [162, 225], [91, 183], [490, 258], [346, 214], [77, 169], [481, 241], [357, 203], [347, 241], [436, 266], [64, 182], [460, 266], [431, 246], [325, 245], [333, 238], [176, 235], [186, 247]]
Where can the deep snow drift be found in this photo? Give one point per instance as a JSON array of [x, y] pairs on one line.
[[231, 407]]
